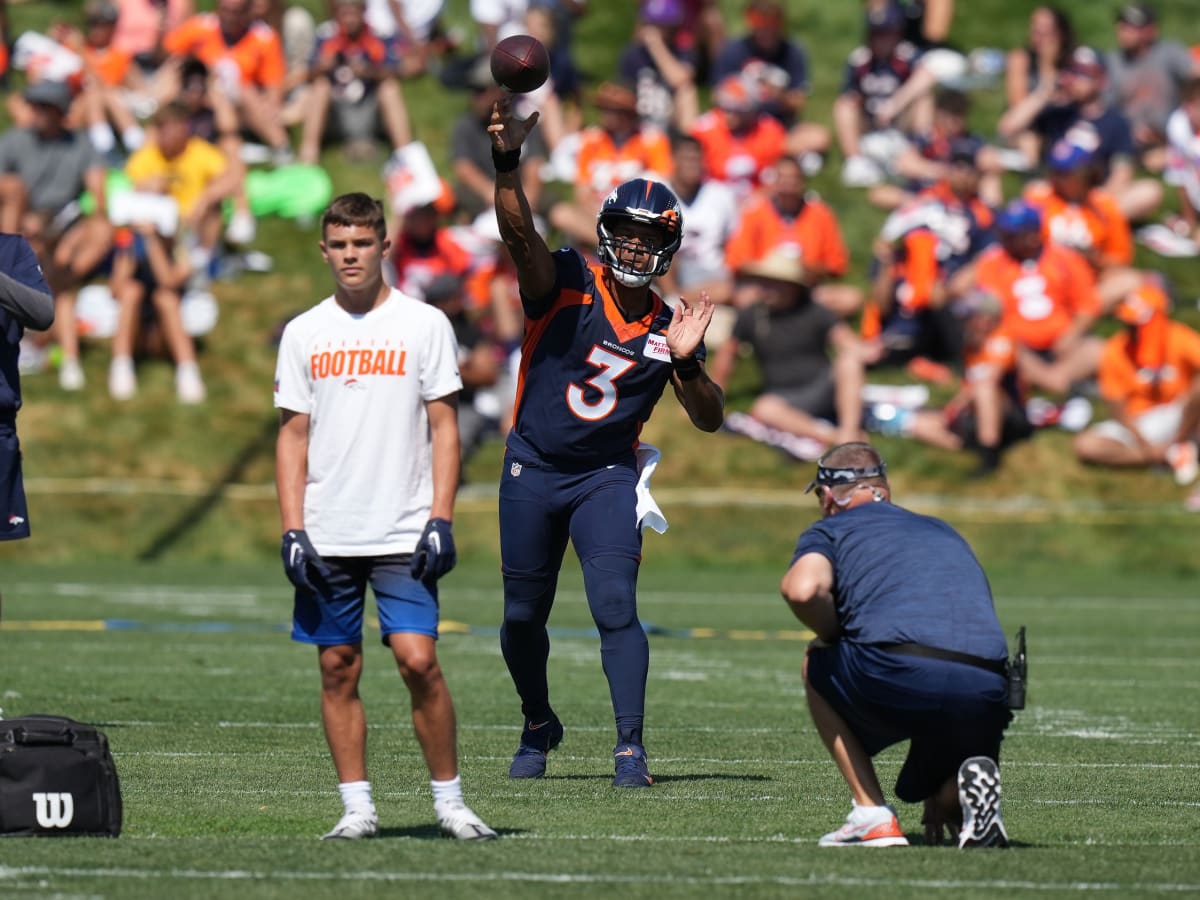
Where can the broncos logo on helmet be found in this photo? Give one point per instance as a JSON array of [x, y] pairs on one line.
[[641, 202]]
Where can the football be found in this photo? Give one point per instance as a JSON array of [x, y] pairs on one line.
[[520, 63]]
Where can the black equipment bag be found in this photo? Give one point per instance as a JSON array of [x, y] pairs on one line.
[[57, 777]]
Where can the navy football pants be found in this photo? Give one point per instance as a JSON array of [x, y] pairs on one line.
[[540, 507]]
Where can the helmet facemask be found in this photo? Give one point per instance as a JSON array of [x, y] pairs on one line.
[[647, 263]]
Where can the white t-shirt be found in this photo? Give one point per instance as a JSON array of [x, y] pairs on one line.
[[419, 15], [507, 15], [364, 380], [1183, 156], [707, 223]]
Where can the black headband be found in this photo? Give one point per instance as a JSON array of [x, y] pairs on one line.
[[828, 476]]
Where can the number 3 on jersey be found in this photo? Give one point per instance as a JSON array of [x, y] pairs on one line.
[[611, 368]]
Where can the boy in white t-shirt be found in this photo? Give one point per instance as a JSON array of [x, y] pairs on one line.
[[367, 465]]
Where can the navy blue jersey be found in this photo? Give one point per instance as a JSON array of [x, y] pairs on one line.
[[18, 261], [876, 80], [904, 578], [588, 379]]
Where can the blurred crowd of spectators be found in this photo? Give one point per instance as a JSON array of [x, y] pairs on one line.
[[1003, 253]]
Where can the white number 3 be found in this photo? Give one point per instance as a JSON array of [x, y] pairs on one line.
[[611, 368]]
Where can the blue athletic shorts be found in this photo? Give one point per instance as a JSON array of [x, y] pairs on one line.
[[949, 710], [14, 514], [334, 615]]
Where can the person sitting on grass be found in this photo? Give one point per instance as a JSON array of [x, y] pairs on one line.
[[148, 277], [1150, 376], [355, 88], [987, 414], [807, 401]]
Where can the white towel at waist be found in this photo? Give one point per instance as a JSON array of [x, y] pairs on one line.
[[648, 513]]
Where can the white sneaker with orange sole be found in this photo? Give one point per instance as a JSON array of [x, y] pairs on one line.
[[867, 826]]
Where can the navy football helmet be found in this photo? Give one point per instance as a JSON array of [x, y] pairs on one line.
[[644, 202]]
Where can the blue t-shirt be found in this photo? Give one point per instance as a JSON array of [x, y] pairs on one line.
[[789, 56], [588, 379], [17, 260], [904, 578]]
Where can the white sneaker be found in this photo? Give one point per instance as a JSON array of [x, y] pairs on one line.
[[189, 386], [979, 797], [122, 380], [353, 826], [457, 821], [867, 826], [70, 375], [1184, 460], [858, 171], [1075, 414], [241, 228]]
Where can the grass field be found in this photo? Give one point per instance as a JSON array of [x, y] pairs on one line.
[[212, 715]]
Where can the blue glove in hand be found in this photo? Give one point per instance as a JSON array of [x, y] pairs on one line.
[[435, 554], [301, 561]]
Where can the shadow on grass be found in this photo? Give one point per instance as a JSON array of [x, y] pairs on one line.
[[433, 833], [663, 779], [261, 443]]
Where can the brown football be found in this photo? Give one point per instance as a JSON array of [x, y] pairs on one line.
[[520, 63]]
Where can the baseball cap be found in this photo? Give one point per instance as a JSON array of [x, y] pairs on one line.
[[100, 11], [664, 13], [1066, 156], [1140, 306], [1137, 14], [965, 149], [1019, 215], [885, 18], [733, 94], [1087, 61], [443, 287], [55, 94]]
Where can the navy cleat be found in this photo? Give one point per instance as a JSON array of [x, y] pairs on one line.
[[537, 739], [632, 771]]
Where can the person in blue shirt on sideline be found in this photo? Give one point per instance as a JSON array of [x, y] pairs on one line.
[[25, 302], [908, 647]]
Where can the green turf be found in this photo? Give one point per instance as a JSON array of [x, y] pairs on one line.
[[227, 783]]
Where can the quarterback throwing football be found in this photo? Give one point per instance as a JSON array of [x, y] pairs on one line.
[[599, 348]]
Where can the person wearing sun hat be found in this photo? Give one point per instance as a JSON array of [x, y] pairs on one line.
[[1150, 376]]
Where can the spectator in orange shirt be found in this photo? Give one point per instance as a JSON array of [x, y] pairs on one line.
[[620, 147], [922, 261], [246, 60], [987, 414], [1049, 296], [786, 218], [424, 249], [739, 139], [1078, 215], [1150, 376]]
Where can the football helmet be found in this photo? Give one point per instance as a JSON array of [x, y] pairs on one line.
[[644, 202]]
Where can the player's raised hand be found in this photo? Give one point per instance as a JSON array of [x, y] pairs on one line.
[[507, 129], [689, 321]]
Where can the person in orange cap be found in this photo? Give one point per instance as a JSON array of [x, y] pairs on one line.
[[1150, 375]]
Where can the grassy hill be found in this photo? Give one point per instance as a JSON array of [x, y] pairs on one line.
[[148, 479]]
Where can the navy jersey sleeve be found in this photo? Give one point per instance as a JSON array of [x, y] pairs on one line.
[[815, 539], [26, 269], [797, 68], [850, 81]]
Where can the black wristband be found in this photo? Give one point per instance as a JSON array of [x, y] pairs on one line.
[[506, 161], [687, 367]]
